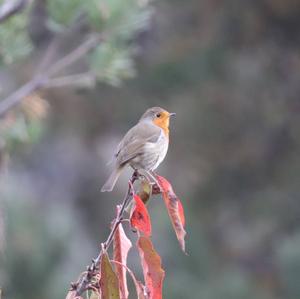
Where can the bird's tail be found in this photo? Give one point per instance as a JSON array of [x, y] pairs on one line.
[[111, 181]]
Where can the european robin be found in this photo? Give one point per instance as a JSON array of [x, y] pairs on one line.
[[143, 147]]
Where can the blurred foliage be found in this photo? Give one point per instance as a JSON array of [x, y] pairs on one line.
[[289, 264], [112, 64], [23, 125], [32, 250], [15, 43], [66, 12], [119, 20]]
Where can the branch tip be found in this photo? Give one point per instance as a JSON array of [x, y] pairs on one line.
[[85, 281], [73, 286]]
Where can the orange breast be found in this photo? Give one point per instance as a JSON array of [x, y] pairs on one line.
[[163, 123]]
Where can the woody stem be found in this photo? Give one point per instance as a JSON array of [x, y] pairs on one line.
[[85, 279]]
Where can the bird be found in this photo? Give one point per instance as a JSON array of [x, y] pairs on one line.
[[143, 147]]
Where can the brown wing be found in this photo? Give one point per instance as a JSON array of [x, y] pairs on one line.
[[133, 142]]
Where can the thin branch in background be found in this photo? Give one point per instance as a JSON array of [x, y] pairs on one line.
[[78, 80], [85, 279], [49, 56], [41, 80], [76, 54], [16, 97], [47, 60], [10, 8]]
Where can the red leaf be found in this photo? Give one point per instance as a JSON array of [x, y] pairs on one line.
[[151, 264], [109, 283], [181, 213], [175, 209], [140, 218], [121, 247]]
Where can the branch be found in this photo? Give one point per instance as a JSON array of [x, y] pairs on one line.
[[40, 80], [20, 94], [81, 80], [72, 57], [10, 8], [85, 279]]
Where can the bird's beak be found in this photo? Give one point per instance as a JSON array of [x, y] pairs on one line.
[[172, 114]]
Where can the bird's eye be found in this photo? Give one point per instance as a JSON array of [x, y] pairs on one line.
[[158, 115]]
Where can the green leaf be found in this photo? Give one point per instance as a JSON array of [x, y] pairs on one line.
[[64, 12], [109, 283], [123, 18], [94, 295], [112, 64], [15, 43]]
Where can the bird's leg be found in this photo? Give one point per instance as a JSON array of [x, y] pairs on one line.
[[135, 175], [156, 189], [147, 176]]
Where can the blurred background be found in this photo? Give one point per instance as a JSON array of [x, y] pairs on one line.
[[231, 72]]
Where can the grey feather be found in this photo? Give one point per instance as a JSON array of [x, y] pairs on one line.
[[130, 146]]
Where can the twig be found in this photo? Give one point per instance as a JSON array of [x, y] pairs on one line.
[[79, 23], [84, 281], [41, 80], [48, 56], [20, 93], [80, 51], [84, 80], [10, 8]]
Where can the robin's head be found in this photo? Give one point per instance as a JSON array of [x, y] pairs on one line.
[[158, 116]]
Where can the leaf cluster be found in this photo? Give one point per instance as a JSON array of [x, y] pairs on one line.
[[120, 20], [108, 279], [23, 125]]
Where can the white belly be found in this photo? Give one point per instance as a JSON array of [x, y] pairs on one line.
[[161, 149], [153, 154], [163, 152]]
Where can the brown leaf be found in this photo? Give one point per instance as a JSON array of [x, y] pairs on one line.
[[175, 209], [34, 106], [151, 264], [109, 283], [145, 191], [121, 247]]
